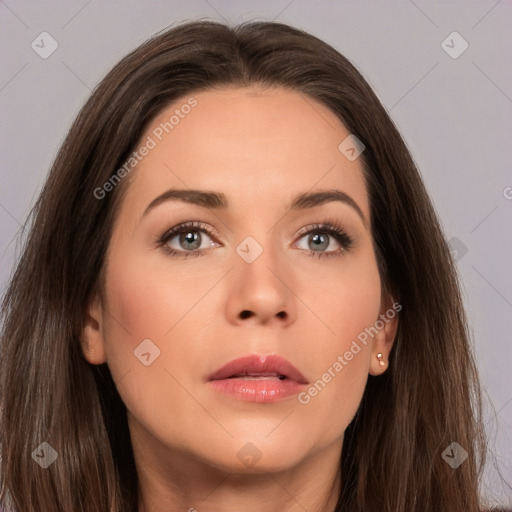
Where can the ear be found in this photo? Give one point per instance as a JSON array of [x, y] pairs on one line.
[[386, 325], [93, 344]]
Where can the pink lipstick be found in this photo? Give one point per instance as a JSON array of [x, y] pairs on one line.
[[261, 379]]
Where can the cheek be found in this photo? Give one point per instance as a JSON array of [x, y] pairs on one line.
[[146, 302], [345, 296], [349, 305], [168, 315], [146, 309], [142, 306], [332, 399]]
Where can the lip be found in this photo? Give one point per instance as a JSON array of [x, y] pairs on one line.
[[256, 378]]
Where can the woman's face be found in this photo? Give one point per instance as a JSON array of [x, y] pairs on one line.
[[251, 274]]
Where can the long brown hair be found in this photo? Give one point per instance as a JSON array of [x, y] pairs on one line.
[[427, 399]]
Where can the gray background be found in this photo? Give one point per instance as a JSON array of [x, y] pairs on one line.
[[454, 113]]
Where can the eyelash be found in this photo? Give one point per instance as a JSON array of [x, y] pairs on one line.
[[329, 227]]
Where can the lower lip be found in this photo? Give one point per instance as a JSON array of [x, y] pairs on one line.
[[262, 390]]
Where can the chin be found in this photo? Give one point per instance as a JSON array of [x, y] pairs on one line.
[[258, 455]]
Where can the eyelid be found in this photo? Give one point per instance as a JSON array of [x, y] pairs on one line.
[[191, 225]]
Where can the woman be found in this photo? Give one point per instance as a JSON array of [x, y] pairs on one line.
[[315, 357]]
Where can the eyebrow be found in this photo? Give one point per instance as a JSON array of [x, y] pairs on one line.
[[219, 201]]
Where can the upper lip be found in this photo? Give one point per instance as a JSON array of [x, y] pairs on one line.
[[255, 365]]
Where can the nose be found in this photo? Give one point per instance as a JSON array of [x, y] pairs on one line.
[[261, 291]]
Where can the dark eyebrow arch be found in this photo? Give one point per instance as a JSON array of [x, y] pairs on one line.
[[218, 200], [312, 199], [213, 200]]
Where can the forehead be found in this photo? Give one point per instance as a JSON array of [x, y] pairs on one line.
[[254, 144]]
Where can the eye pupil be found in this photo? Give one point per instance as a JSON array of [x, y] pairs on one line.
[[191, 237], [320, 241]]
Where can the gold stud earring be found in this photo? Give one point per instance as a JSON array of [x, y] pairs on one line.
[[379, 357]]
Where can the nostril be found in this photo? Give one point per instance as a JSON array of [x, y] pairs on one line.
[[245, 314]]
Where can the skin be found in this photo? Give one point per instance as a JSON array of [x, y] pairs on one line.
[[260, 147]]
